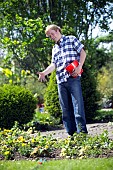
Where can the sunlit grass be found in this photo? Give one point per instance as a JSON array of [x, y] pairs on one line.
[[85, 164], [17, 165]]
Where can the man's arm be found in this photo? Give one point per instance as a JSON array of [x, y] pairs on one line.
[[82, 57], [48, 70], [81, 62]]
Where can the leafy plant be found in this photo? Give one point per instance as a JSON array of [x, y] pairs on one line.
[[32, 144], [104, 116], [51, 100], [16, 104]]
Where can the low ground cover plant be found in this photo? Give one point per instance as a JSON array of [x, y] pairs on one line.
[[42, 122], [17, 143]]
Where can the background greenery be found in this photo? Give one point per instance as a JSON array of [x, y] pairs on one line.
[[26, 50]]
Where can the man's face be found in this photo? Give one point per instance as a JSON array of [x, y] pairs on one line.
[[54, 35]]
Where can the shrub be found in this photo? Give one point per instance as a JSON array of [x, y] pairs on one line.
[[16, 104], [90, 94], [104, 116], [51, 100]]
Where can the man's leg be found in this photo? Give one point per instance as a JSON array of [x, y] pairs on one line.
[[77, 100], [67, 109]]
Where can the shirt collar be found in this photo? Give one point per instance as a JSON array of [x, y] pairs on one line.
[[61, 39]]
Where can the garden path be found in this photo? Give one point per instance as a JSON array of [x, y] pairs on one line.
[[93, 129]]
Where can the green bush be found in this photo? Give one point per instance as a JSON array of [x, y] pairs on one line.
[[90, 94], [16, 104], [51, 100], [104, 116]]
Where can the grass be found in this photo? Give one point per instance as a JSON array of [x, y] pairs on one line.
[[17, 165], [84, 164]]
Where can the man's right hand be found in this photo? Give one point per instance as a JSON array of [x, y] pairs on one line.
[[48, 70], [41, 76]]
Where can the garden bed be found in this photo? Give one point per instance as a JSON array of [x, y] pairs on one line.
[[55, 144]]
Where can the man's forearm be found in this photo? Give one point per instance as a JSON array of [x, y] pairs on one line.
[[49, 69], [82, 57]]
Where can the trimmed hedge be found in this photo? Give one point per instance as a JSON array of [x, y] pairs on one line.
[[16, 104]]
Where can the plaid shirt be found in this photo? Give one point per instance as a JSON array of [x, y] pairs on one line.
[[63, 54]]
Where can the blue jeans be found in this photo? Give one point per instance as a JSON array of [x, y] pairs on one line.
[[72, 105]]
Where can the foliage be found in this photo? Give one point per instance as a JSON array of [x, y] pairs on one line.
[[51, 100], [23, 143], [102, 51], [99, 65], [104, 116], [105, 81], [16, 104], [33, 145], [105, 39], [23, 23], [93, 80], [90, 94], [46, 118], [13, 77], [42, 122], [84, 146], [23, 41], [37, 88], [27, 50]]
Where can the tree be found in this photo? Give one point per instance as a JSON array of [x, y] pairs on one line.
[[105, 81], [23, 24]]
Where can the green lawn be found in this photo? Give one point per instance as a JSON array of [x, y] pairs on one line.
[[85, 164]]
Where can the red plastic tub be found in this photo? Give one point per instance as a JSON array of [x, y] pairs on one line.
[[71, 67]]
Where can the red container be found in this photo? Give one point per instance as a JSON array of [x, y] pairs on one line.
[[71, 67]]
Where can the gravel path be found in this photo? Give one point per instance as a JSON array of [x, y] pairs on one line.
[[93, 129]]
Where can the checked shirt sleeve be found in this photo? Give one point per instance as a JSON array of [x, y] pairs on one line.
[[77, 45]]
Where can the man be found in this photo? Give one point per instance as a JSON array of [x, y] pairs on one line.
[[65, 51]]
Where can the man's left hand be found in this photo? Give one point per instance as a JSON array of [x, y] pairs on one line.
[[76, 71]]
